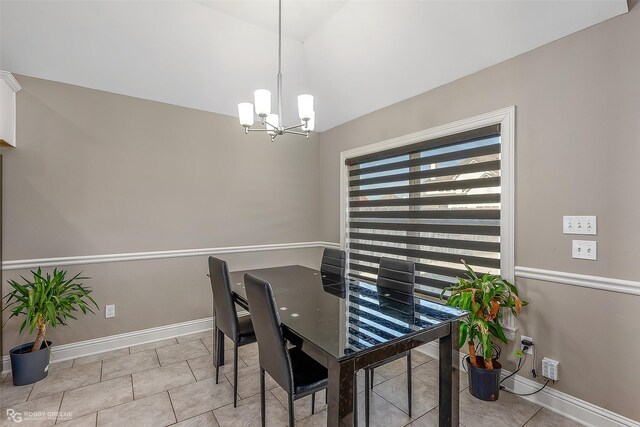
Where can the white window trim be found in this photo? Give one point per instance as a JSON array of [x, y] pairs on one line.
[[506, 118]]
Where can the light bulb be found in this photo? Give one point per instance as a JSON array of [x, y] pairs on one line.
[[305, 106], [262, 99], [245, 114]]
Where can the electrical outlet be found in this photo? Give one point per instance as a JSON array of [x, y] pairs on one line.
[[550, 369], [110, 311], [526, 338], [584, 249]]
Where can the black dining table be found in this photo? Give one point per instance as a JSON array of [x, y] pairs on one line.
[[348, 325]]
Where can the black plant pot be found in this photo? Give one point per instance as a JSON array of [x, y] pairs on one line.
[[484, 384], [28, 367]]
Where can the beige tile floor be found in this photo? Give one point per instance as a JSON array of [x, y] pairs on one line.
[[171, 382]]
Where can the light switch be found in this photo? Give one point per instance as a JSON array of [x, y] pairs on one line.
[[584, 249], [579, 225]]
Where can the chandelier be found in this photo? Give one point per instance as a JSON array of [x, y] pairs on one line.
[[262, 98]]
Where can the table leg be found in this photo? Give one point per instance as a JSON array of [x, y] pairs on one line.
[[341, 394], [449, 380]]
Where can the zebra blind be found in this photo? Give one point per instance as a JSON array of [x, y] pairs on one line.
[[434, 202]]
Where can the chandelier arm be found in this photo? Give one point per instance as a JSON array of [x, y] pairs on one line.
[[297, 133], [257, 130], [274, 128], [294, 127]]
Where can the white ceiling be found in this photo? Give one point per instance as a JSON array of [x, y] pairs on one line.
[[355, 56], [300, 18]]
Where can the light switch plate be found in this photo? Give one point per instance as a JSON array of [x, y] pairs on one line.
[[584, 249], [573, 224]]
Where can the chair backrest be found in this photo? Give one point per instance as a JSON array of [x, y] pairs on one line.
[[393, 303], [396, 274], [272, 348], [333, 261], [226, 315]]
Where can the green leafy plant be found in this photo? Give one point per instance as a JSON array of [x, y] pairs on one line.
[[484, 297], [48, 300]]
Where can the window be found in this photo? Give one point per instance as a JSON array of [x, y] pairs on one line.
[[432, 200]]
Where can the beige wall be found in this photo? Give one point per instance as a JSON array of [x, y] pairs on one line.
[[577, 152], [98, 173]]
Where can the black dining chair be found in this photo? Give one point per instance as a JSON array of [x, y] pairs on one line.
[[333, 262], [296, 372], [397, 276], [238, 329]]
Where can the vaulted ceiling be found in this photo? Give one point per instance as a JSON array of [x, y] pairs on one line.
[[355, 56]]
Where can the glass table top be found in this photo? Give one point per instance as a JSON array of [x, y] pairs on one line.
[[344, 316]]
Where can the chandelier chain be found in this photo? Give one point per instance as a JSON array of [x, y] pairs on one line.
[[280, 118]]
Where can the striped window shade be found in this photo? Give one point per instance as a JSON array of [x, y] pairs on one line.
[[434, 202]]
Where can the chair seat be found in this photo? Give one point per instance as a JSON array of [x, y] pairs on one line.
[[308, 375], [245, 330]]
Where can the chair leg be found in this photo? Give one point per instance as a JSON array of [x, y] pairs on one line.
[[215, 356], [292, 420], [371, 383], [262, 397], [367, 396], [355, 401], [409, 394], [235, 374], [313, 403]]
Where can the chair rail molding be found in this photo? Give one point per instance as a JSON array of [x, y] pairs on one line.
[[21, 264], [609, 284]]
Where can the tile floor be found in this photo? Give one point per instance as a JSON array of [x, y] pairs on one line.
[[170, 382]]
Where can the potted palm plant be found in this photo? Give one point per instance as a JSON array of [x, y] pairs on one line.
[[485, 297], [45, 300]]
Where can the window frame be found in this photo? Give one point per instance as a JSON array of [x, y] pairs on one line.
[[506, 119]]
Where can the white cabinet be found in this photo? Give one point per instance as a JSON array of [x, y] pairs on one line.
[[8, 88]]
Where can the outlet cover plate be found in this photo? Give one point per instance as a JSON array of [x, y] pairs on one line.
[[530, 349], [550, 369], [109, 311]]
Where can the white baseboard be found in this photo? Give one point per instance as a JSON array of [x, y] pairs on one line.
[[562, 403], [63, 352]]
